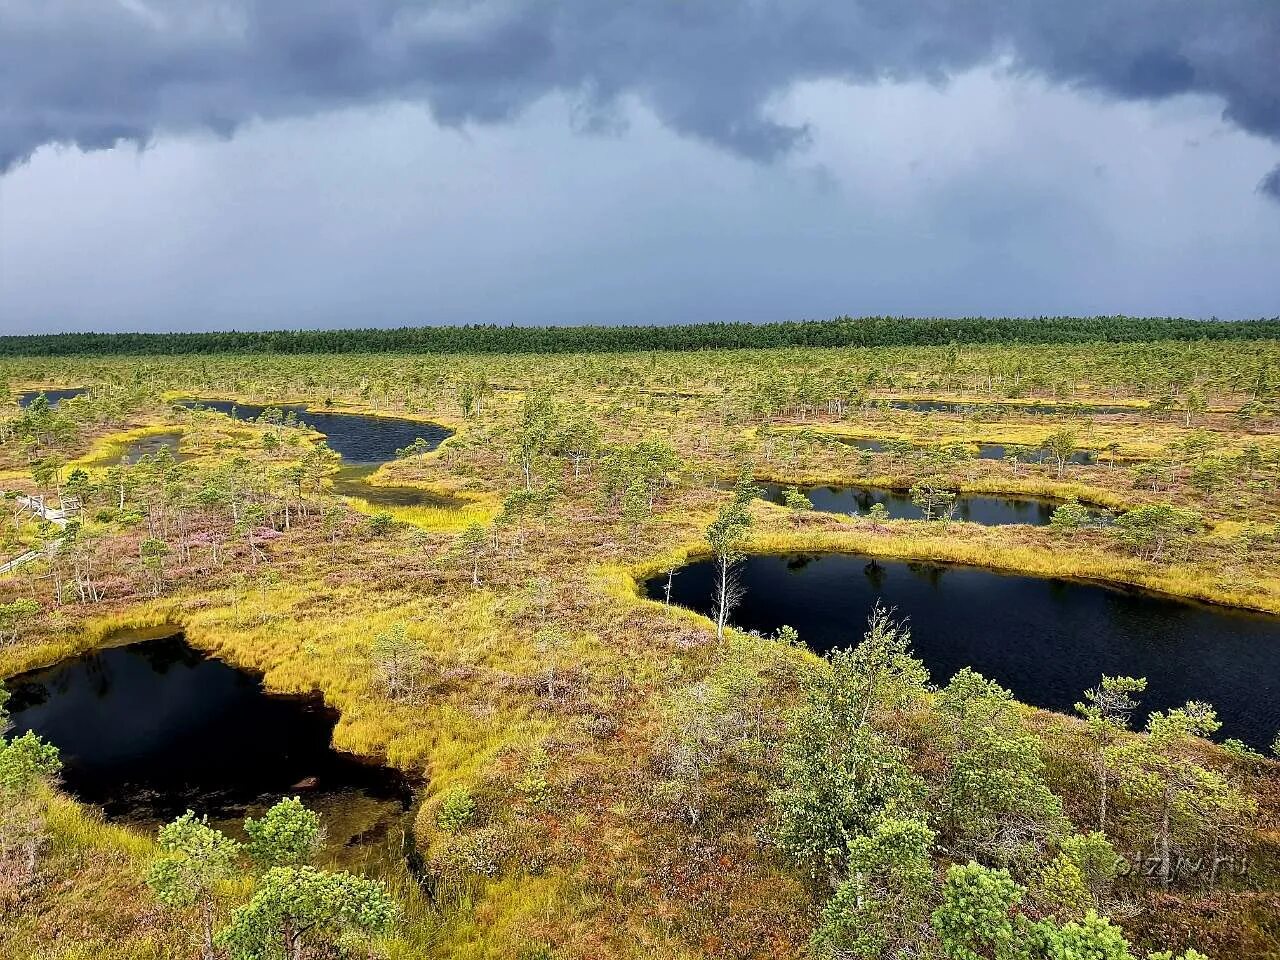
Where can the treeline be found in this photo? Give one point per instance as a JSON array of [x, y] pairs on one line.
[[839, 332]]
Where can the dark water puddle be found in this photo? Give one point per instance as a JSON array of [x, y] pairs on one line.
[[1046, 640], [998, 451], [985, 451], [353, 481], [54, 397], [952, 406], [992, 511], [361, 439], [364, 442], [151, 445], [152, 728]]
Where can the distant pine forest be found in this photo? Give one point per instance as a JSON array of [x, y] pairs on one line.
[[838, 332]]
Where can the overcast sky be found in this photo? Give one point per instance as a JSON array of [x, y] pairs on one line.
[[196, 164]]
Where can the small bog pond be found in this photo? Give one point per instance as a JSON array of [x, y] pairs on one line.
[[984, 451], [364, 442], [152, 728], [151, 445], [54, 396], [975, 508], [358, 438], [1046, 640], [353, 481]]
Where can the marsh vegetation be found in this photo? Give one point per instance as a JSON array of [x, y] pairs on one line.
[[548, 591]]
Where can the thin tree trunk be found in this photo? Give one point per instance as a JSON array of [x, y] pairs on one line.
[[1165, 864]]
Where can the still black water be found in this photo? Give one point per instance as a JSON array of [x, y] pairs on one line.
[[975, 508], [153, 728], [151, 445], [361, 439], [985, 451], [1046, 640], [53, 396], [353, 481]]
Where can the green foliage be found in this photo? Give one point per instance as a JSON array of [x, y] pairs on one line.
[[194, 859], [287, 835], [1095, 861], [1059, 447], [933, 502], [27, 764], [533, 785], [14, 617], [976, 918], [718, 719], [457, 810], [26, 761], [398, 661], [840, 772], [380, 524], [1185, 802], [729, 529], [995, 799], [1106, 710], [981, 918], [878, 911], [417, 448], [294, 908], [1092, 938], [1153, 530], [840, 332], [1071, 515], [471, 545], [793, 499]]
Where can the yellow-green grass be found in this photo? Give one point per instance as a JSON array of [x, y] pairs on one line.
[[107, 450], [1124, 441], [1076, 402]]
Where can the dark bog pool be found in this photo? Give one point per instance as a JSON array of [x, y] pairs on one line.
[[998, 451], [151, 445], [974, 508], [153, 728], [1047, 640], [359, 438], [353, 481], [985, 451], [53, 396]]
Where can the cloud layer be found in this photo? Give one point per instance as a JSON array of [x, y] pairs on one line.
[[95, 73]]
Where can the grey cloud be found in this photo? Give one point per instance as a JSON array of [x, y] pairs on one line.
[[1269, 185], [95, 72]]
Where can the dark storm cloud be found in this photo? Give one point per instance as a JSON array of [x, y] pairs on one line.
[[97, 72], [1270, 185]]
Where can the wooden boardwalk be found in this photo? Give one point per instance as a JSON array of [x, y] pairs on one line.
[[59, 516]]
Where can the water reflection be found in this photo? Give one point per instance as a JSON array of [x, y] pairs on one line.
[[149, 729], [54, 396], [358, 438], [1047, 640], [985, 509]]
